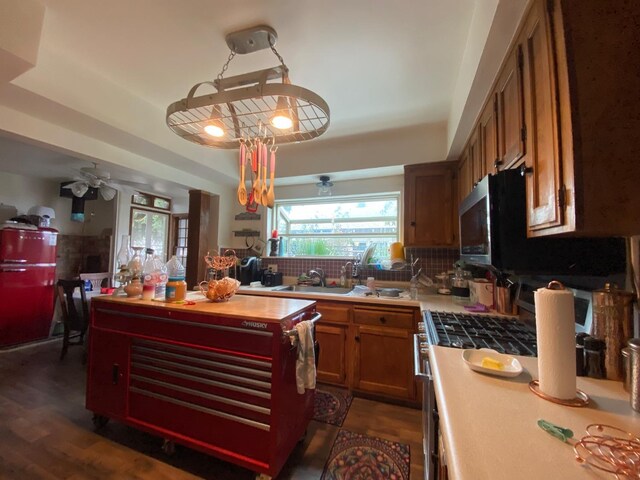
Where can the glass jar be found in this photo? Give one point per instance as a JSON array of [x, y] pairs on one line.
[[460, 286], [176, 289], [134, 288]]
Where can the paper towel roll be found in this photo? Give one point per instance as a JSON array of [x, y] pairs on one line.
[[555, 328]]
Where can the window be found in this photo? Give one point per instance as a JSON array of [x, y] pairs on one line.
[[337, 227], [180, 232], [150, 223]]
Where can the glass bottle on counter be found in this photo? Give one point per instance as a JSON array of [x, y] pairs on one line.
[[460, 286]]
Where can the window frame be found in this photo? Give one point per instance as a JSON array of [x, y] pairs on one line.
[[368, 197], [150, 208]]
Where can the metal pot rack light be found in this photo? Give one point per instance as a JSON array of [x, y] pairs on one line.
[[245, 104]]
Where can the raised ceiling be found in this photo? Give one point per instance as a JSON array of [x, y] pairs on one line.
[[106, 72]]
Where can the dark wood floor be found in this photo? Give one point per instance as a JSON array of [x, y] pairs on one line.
[[46, 433]]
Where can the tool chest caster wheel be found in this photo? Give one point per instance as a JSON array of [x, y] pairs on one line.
[[168, 447], [263, 476], [99, 421]]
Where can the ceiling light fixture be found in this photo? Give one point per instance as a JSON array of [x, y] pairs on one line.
[[324, 186], [250, 104], [215, 127]]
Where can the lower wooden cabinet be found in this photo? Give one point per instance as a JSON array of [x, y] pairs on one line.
[[332, 365], [382, 362], [367, 348]]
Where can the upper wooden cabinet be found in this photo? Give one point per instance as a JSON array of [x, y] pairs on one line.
[[543, 169], [568, 97], [510, 111], [488, 136], [431, 207]]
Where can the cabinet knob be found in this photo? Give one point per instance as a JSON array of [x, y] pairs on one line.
[[383, 320], [524, 170], [413, 224], [497, 163], [357, 338]]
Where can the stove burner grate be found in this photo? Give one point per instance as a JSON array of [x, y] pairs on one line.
[[462, 330]]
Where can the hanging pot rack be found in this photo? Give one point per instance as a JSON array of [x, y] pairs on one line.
[[244, 104]]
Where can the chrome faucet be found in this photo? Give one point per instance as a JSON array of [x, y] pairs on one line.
[[318, 272]]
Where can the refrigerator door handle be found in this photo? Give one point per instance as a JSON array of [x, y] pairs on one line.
[[10, 260], [13, 270]]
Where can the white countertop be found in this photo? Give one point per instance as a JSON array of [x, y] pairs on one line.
[[490, 426]]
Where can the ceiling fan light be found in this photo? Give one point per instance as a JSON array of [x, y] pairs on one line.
[[281, 118], [79, 188], [108, 193]]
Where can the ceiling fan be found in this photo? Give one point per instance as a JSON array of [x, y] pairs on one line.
[[94, 177]]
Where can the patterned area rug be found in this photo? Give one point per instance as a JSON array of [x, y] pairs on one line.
[[356, 456], [331, 406]]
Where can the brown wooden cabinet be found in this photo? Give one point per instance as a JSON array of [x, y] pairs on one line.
[[475, 157], [465, 174], [488, 136], [544, 184], [510, 111], [331, 333], [383, 352], [430, 218], [568, 96], [596, 92]]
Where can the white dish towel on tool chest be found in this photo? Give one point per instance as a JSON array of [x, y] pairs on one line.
[[306, 360]]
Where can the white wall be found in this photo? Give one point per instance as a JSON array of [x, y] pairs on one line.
[[25, 192]]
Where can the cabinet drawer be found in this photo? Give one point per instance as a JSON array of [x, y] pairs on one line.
[[382, 317], [333, 313]]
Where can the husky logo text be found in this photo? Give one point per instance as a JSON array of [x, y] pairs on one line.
[[261, 325]]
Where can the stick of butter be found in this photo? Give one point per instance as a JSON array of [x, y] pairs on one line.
[[488, 362]]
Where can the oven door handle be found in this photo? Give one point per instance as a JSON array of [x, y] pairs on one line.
[[417, 371]]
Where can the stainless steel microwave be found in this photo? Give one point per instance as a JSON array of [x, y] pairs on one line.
[[493, 233]]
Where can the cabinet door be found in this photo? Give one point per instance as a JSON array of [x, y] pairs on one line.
[[488, 133], [511, 126], [333, 359], [542, 160], [383, 361], [475, 157], [430, 205], [465, 185], [108, 373]]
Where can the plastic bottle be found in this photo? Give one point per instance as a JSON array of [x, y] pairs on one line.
[[160, 271], [413, 288], [176, 289], [148, 276]]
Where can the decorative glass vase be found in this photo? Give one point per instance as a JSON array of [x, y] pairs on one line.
[[125, 253]]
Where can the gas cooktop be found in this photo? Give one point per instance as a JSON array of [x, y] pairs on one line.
[[462, 330]]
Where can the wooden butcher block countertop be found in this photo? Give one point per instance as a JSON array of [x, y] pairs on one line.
[[239, 306]]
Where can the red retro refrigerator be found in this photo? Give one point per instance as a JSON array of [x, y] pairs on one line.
[[27, 278]]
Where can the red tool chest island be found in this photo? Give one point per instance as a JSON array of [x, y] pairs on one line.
[[216, 377]]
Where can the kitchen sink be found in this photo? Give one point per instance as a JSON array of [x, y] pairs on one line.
[[312, 289]]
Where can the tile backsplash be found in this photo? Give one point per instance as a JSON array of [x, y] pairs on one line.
[[432, 261]]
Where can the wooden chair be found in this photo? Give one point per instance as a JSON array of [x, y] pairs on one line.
[[75, 323], [97, 279]]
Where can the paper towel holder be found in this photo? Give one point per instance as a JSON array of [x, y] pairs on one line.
[[555, 285], [581, 399]]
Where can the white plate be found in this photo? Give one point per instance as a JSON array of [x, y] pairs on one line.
[[473, 359]]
